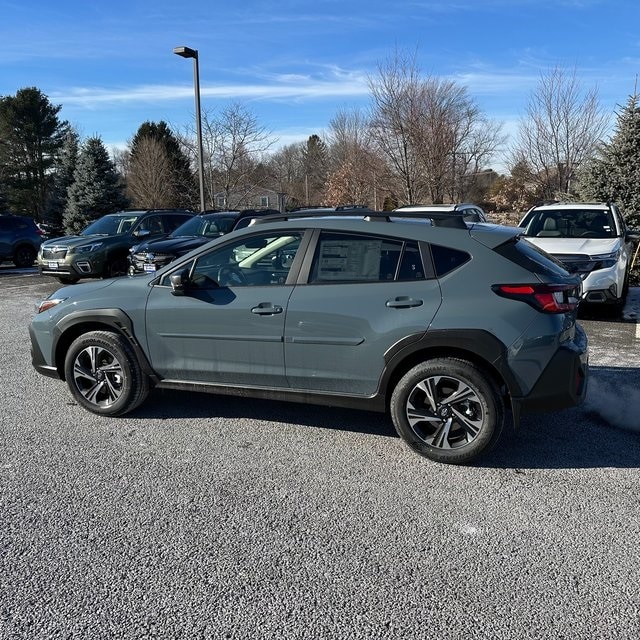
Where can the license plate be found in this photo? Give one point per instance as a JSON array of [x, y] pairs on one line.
[[150, 267], [52, 265]]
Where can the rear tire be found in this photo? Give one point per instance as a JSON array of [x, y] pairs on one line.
[[104, 375], [448, 410]]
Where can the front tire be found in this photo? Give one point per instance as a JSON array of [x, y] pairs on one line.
[[104, 375], [118, 266], [448, 410]]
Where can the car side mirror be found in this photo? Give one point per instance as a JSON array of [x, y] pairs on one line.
[[179, 282], [142, 233], [632, 234]]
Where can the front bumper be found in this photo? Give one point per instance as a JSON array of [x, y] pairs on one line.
[[38, 360], [80, 269], [145, 263], [604, 286]]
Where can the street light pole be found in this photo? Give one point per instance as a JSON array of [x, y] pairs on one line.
[[186, 52]]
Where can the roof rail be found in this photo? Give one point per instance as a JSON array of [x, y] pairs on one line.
[[450, 220]]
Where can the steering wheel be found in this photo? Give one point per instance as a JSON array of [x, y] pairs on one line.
[[589, 234], [230, 276]]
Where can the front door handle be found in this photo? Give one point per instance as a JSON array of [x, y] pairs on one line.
[[266, 309], [403, 302]]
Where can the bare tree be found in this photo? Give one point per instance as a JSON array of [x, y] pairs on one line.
[[395, 94], [234, 143], [349, 135], [432, 134], [357, 172], [286, 169], [149, 175], [562, 127]]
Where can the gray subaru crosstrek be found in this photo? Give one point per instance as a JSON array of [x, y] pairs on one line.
[[449, 326]]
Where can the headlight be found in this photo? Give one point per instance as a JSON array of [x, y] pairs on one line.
[[45, 305], [606, 260], [87, 248]]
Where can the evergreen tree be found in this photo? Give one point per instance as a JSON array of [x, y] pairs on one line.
[[615, 174], [174, 171], [315, 163], [32, 135], [96, 189], [63, 178]]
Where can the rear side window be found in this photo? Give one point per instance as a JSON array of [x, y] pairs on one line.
[[360, 258], [446, 259]]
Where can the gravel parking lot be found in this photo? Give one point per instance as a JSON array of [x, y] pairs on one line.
[[211, 517]]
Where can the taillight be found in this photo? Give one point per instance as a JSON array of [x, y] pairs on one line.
[[548, 298]]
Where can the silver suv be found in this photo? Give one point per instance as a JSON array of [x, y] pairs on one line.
[[448, 326]]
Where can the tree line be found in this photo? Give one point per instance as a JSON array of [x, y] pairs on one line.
[[421, 140]]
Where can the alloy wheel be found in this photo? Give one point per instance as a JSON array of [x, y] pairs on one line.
[[98, 376], [445, 412]]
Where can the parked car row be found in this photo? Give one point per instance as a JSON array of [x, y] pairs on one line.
[[445, 324], [591, 239], [151, 255], [102, 249]]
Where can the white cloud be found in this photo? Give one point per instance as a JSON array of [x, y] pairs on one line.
[[295, 88]]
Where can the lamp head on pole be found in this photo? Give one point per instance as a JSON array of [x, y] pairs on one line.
[[186, 52]]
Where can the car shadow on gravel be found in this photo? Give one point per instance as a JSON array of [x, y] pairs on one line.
[[574, 439], [598, 434], [171, 404], [603, 432]]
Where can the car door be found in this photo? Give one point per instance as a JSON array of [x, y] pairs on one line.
[[365, 293], [228, 326]]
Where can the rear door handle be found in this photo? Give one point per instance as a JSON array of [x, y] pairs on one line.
[[266, 309], [403, 302]]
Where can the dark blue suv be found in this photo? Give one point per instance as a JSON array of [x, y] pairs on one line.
[[20, 239]]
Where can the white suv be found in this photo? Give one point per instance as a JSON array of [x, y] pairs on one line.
[[590, 239]]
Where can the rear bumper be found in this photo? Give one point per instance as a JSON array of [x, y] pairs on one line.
[[564, 381]]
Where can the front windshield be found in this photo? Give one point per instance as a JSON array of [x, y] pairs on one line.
[[570, 223], [110, 225]]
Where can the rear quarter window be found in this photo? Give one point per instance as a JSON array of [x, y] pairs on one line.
[[447, 259], [525, 254]]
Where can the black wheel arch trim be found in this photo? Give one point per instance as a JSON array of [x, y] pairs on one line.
[[481, 346], [100, 319]]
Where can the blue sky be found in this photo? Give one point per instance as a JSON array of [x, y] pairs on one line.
[[295, 63]]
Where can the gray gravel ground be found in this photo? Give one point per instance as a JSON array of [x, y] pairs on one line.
[[206, 517]]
